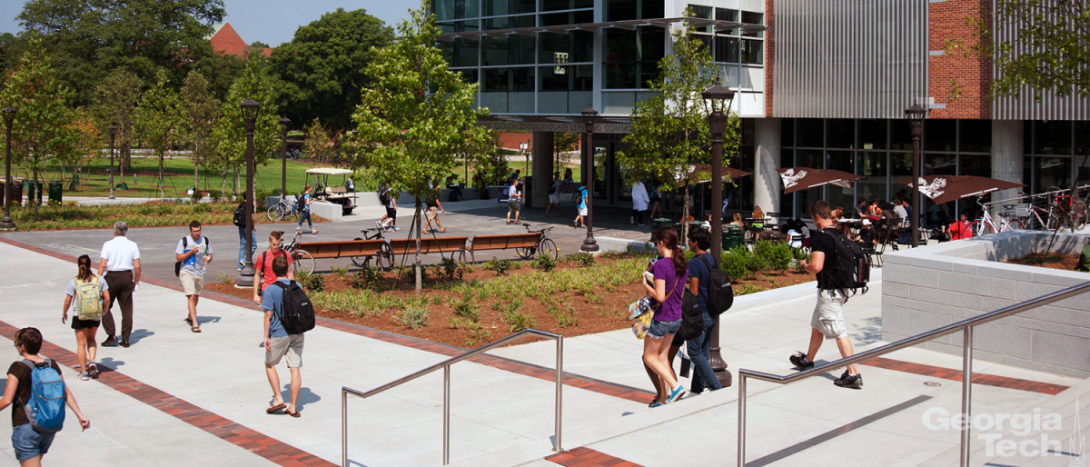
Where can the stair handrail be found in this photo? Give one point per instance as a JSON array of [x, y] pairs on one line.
[[445, 365], [965, 326]]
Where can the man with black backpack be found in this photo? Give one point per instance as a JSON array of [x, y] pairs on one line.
[[836, 263], [288, 314], [240, 222], [701, 285]]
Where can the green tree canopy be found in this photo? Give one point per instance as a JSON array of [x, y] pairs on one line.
[[199, 112], [325, 65], [115, 104], [157, 119], [229, 133], [91, 38]]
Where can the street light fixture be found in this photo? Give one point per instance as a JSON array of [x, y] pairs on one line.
[[9, 119], [915, 115], [589, 116], [284, 122], [249, 119], [113, 132], [718, 101]]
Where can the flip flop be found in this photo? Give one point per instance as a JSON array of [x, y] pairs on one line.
[[293, 414], [195, 329], [275, 408]]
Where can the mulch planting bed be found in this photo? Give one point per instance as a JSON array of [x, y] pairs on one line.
[[1064, 261]]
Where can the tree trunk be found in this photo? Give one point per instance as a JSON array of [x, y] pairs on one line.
[[161, 176], [685, 219], [416, 220], [126, 157], [223, 185], [39, 192]]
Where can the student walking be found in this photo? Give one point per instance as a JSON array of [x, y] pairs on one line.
[[278, 343], [655, 196], [513, 197], [699, 348], [670, 276], [85, 297], [828, 319], [434, 208], [120, 262], [389, 201], [581, 206], [554, 195], [31, 445], [640, 200], [263, 265], [307, 200], [193, 252], [240, 222]]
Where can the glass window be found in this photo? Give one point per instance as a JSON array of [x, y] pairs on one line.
[[750, 17], [840, 133], [508, 79], [566, 78], [705, 12], [632, 56], [753, 51], [787, 132], [1052, 172], [900, 134], [874, 166], [509, 22], [975, 135], [873, 133], [1052, 138], [980, 166], [787, 202], [940, 164], [939, 135], [455, 9], [748, 131], [554, 5], [470, 76], [650, 9], [620, 10], [507, 7], [804, 198], [810, 133], [723, 14], [572, 48], [727, 49], [1027, 140], [510, 50], [1082, 138], [575, 17], [461, 52], [900, 166], [740, 191]]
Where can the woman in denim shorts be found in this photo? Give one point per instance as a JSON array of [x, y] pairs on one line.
[[671, 273]]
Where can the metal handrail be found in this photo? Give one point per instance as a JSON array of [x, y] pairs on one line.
[[1075, 191], [445, 365], [966, 326]]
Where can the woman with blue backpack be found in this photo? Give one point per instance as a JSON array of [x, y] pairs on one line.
[[86, 294], [36, 387]]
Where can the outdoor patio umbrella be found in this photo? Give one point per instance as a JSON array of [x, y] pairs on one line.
[[946, 188], [801, 178], [729, 173]]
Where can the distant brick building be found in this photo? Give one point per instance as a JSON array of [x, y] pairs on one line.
[[225, 39]]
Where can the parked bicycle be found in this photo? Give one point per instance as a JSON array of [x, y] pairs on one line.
[[545, 246], [1011, 219], [385, 258], [282, 209], [1074, 208], [300, 259]]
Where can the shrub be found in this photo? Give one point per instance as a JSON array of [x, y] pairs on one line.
[[520, 321], [545, 262], [754, 263], [500, 266], [467, 308], [225, 278], [367, 276], [415, 317], [476, 334], [451, 269], [339, 271], [311, 282], [748, 289], [585, 260], [733, 262], [779, 256]]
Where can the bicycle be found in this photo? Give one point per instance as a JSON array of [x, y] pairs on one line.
[[282, 209], [988, 225], [544, 246], [300, 259], [1071, 205], [385, 258]]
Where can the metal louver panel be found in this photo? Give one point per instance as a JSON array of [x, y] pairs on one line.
[[849, 58]]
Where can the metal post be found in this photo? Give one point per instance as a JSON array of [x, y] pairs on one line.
[[559, 391], [741, 420], [7, 222], [284, 122], [719, 99], [446, 415], [344, 428], [249, 120], [916, 114], [589, 244], [966, 395]]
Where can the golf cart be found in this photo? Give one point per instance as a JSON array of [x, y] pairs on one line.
[[343, 194]]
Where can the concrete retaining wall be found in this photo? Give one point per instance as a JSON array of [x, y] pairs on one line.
[[929, 287]]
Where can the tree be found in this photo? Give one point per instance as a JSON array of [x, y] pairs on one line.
[[320, 145], [43, 126], [157, 119], [258, 45], [670, 129], [88, 143], [92, 38], [325, 65], [563, 142], [417, 114], [116, 105], [229, 133], [199, 112]]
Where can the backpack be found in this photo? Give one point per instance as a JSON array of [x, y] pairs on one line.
[[296, 313], [577, 198], [852, 270], [552, 187], [384, 197], [240, 215], [45, 410], [720, 294], [89, 299], [178, 264], [301, 203], [692, 320]]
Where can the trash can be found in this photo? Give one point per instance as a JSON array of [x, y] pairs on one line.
[[33, 190], [14, 192], [659, 223], [697, 225], [733, 238], [56, 188]]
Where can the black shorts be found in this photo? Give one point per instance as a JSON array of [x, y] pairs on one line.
[[78, 324], [391, 213]]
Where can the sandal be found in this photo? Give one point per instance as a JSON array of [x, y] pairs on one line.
[[443, 230], [276, 407], [195, 329], [295, 414]]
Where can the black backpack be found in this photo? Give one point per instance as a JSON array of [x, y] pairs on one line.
[[577, 198], [296, 312], [720, 294], [240, 215], [552, 187], [384, 197], [185, 244], [300, 203], [692, 320], [852, 270]]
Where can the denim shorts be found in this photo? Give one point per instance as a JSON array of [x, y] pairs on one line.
[[660, 329], [29, 443]]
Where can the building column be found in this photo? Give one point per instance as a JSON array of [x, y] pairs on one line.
[[767, 187], [1008, 156], [543, 167]]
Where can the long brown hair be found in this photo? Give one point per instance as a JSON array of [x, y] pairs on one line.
[[84, 263], [668, 236]]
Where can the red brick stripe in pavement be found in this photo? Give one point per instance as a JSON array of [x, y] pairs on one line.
[[586, 457], [227, 430], [955, 375]]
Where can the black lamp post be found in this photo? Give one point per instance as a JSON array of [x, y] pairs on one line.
[[249, 120], [916, 115], [589, 116], [284, 122], [718, 101], [9, 119], [113, 132]]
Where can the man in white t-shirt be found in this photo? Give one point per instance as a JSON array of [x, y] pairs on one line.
[[120, 261], [899, 209], [194, 252], [513, 197]]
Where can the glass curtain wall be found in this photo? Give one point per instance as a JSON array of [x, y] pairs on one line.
[[1056, 154]]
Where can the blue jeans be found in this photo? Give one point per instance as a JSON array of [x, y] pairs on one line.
[[28, 443], [242, 244], [700, 354], [305, 216]]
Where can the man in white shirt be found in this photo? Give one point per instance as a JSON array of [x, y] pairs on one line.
[[120, 260], [193, 252], [513, 197], [640, 200], [899, 209]]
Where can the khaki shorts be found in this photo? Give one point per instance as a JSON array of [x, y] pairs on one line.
[[191, 285], [292, 346], [432, 213], [829, 314], [513, 205]]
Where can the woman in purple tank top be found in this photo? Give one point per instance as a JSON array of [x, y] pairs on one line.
[[671, 273]]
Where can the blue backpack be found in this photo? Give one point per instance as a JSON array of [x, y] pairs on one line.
[[45, 410]]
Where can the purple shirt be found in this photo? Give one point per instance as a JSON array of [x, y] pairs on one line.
[[671, 308]]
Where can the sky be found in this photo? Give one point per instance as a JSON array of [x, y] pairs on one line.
[[268, 21]]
